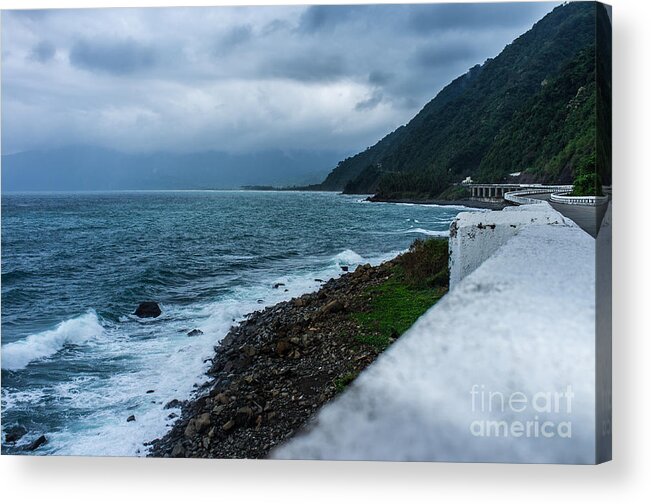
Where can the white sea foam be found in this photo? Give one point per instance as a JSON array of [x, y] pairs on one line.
[[428, 232], [19, 354], [348, 257], [160, 357]]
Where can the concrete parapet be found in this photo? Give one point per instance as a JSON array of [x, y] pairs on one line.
[[469, 381], [474, 236]]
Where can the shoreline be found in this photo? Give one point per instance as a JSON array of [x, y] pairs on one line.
[[274, 370], [466, 202]]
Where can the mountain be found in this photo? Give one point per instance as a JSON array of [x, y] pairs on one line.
[[532, 109], [82, 168]]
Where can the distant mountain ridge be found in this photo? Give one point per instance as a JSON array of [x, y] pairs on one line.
[[534, 109], [84, 168]]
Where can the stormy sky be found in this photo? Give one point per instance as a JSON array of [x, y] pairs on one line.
[[237, 79]]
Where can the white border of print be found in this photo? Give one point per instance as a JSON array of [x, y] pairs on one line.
[[105, 480]]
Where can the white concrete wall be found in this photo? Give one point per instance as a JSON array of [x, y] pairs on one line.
[[522, 322], [475, 236]]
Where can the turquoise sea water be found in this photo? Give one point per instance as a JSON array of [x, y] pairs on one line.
[[76, 362]]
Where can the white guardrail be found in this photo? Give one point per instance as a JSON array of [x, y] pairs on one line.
[[519, 196], [578, 200]]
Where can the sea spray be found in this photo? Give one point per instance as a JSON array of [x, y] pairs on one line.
[[75, 331], [219, 253]]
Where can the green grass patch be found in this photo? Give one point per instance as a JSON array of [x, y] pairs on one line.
[[344, 380], [394, 309], [418, 280]]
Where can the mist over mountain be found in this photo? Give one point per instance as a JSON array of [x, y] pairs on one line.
[[85, 168], [534, 109]]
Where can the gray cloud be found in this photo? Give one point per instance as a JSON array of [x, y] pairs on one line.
[[380, 77], [31, 14], [188, 79], [237, 35], [275, 26], [114, 57], [369, 103], [43, 52], [438, 55], [447, 16], [315, 67], [325, 17]]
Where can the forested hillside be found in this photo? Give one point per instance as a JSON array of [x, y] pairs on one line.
[[533, 109]]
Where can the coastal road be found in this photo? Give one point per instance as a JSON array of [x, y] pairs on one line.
[[587, 218]]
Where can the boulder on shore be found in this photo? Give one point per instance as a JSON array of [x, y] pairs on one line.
[[334, 306], [13, 434], [174, 403], [148, 309], [36, 443]]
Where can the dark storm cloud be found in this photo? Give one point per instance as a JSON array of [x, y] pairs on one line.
[[275, 26], [428, 18], [314, 67], [43, 52], [369, 103], [237, 35], [325, 17], [114, 57], [189, 79], [380, 77], [31, 14], [437, 55]]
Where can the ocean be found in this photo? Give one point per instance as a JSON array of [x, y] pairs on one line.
[[76, 362]]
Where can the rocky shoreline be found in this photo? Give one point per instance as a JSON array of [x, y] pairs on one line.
[[274, 370]]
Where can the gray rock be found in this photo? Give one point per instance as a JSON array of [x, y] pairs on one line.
[[190, 430], [148, 309], [202, 423], [178, 450], [333, 306], [13, 434], [243, 416], [174, 403], [36, 443]]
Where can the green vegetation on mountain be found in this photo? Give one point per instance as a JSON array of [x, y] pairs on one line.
[[535, 109], [554, 133]]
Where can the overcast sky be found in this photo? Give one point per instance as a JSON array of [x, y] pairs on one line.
[[192, 79]]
